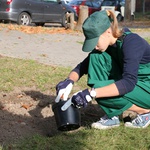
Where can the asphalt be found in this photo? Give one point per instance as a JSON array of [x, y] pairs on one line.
[[51, 49]]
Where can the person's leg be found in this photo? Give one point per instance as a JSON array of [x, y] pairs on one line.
[[138, 101], [141, 121], [139, 110], [101, 69], [141, 105]]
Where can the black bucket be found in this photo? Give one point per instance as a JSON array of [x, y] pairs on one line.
[[67, 120]]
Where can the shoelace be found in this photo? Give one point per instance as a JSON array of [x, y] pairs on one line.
[[105, 118]]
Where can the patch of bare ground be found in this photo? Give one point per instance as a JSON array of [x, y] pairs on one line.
[[26, 112]]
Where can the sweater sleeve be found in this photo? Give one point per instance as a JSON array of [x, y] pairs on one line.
[[134, 48], [82, 68]]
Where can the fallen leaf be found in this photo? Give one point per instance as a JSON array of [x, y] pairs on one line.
[[26, 106]]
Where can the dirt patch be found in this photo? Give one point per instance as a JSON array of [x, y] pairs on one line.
[[26, 112]]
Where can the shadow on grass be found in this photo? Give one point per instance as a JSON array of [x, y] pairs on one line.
[[37, 120], [23, 122]]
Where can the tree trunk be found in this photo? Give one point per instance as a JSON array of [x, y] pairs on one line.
[[83, 14], [143, 4], [70, 21], [127, 16]]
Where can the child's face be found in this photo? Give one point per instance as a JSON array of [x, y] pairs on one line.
[[105, 40], [103, 43]]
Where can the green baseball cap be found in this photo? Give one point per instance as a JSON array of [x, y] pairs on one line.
[[95, 25]]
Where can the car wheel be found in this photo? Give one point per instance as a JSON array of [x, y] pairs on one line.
[[64, 21], [24, 19], [119, 18], [39, 24]]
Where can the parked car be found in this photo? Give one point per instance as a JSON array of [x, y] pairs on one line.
[[114, 5], [66, 1], [25, 12], [92, 5], [118, 6]]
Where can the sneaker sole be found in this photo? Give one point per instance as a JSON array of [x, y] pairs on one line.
[[105, 127]]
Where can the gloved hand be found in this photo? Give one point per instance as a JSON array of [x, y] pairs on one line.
[[63, 89], [81, 98]]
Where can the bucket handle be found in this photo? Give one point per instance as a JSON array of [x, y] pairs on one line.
[[66, 105]]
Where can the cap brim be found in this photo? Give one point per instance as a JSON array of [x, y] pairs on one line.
[[89, 44]]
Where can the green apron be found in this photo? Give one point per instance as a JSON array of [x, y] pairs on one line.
[[106, 68]]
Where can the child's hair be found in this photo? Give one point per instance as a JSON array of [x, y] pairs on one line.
[[114, 24]]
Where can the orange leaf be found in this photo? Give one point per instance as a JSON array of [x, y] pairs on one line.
[[26, 106]]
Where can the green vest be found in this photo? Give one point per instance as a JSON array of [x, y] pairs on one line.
[[106, 67]]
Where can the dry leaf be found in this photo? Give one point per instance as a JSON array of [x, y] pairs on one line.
[[26, 106]]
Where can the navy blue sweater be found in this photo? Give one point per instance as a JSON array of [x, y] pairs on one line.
[[135, 51]]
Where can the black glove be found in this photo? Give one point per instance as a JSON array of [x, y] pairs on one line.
[[81, 98], [64, 88]]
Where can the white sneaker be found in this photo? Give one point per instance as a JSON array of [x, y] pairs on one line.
[[106, 123], [141, 121]]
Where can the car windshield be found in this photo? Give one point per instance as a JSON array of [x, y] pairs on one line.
[[122, 3], [87, 3], [50, 0], [108, 3], [75, 2], [96, 4]]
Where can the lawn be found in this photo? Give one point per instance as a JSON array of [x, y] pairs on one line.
[[28, 73]]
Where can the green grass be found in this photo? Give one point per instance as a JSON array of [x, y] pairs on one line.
[[28, 73], [147, 39], [120, 138]]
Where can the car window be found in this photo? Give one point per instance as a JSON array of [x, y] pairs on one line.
[[79, 2], [38, 0], [50, 0], [122, 3], [89, 4], [96, 4], [108, 3], [75, 2]]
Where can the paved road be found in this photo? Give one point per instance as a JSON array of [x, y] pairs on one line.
[[55, 49], [52, 49]]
